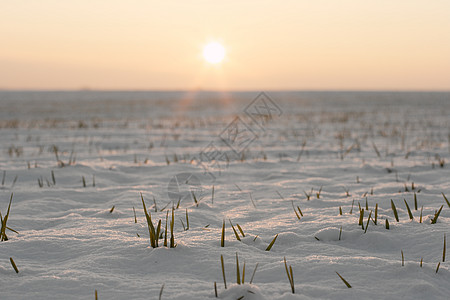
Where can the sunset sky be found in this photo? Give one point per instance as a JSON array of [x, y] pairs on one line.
[[270, 45]]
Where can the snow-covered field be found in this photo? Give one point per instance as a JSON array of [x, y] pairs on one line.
[[355, 147]]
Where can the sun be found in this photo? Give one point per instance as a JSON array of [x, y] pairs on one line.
[[214, 53]]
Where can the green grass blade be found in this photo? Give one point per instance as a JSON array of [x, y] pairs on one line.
[[345, 281], [271, 243], [409, 210], [240, 230], [394, 209]]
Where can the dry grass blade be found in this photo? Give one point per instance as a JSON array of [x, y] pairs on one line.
[[376, 214], [444, 250], [403, 259], [13, 265], [367, 224], [172, 237], [290, 275], [96, 295], [223, 272], [238, 273], [415, 201], [420, 219], [195, 198], [165, 230], [161, 292], [235, 232], [394, 209], [446, 200], [361, 217], [345, 281], [271, 243], [222, 239], [253, 275]]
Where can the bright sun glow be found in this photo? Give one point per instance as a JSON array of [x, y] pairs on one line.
[[214, 53]]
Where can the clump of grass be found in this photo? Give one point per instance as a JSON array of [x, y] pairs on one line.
[[436, 215], [151, 228], [343, 280], [235, 232], [308, 196], [394, 210], [3, 236], [271, 243], [299, 213], [361, 216], [367, 224], [318, 193], [14, 265], [290, 275], [409, 210]]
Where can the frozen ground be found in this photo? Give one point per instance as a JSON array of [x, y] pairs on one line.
[[373, 145]]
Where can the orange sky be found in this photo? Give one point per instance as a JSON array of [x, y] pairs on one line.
[[271, 45]]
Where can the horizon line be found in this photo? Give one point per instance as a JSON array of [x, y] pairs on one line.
[[229, 91]]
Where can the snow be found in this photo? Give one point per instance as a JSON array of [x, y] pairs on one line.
[[69, 244]]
